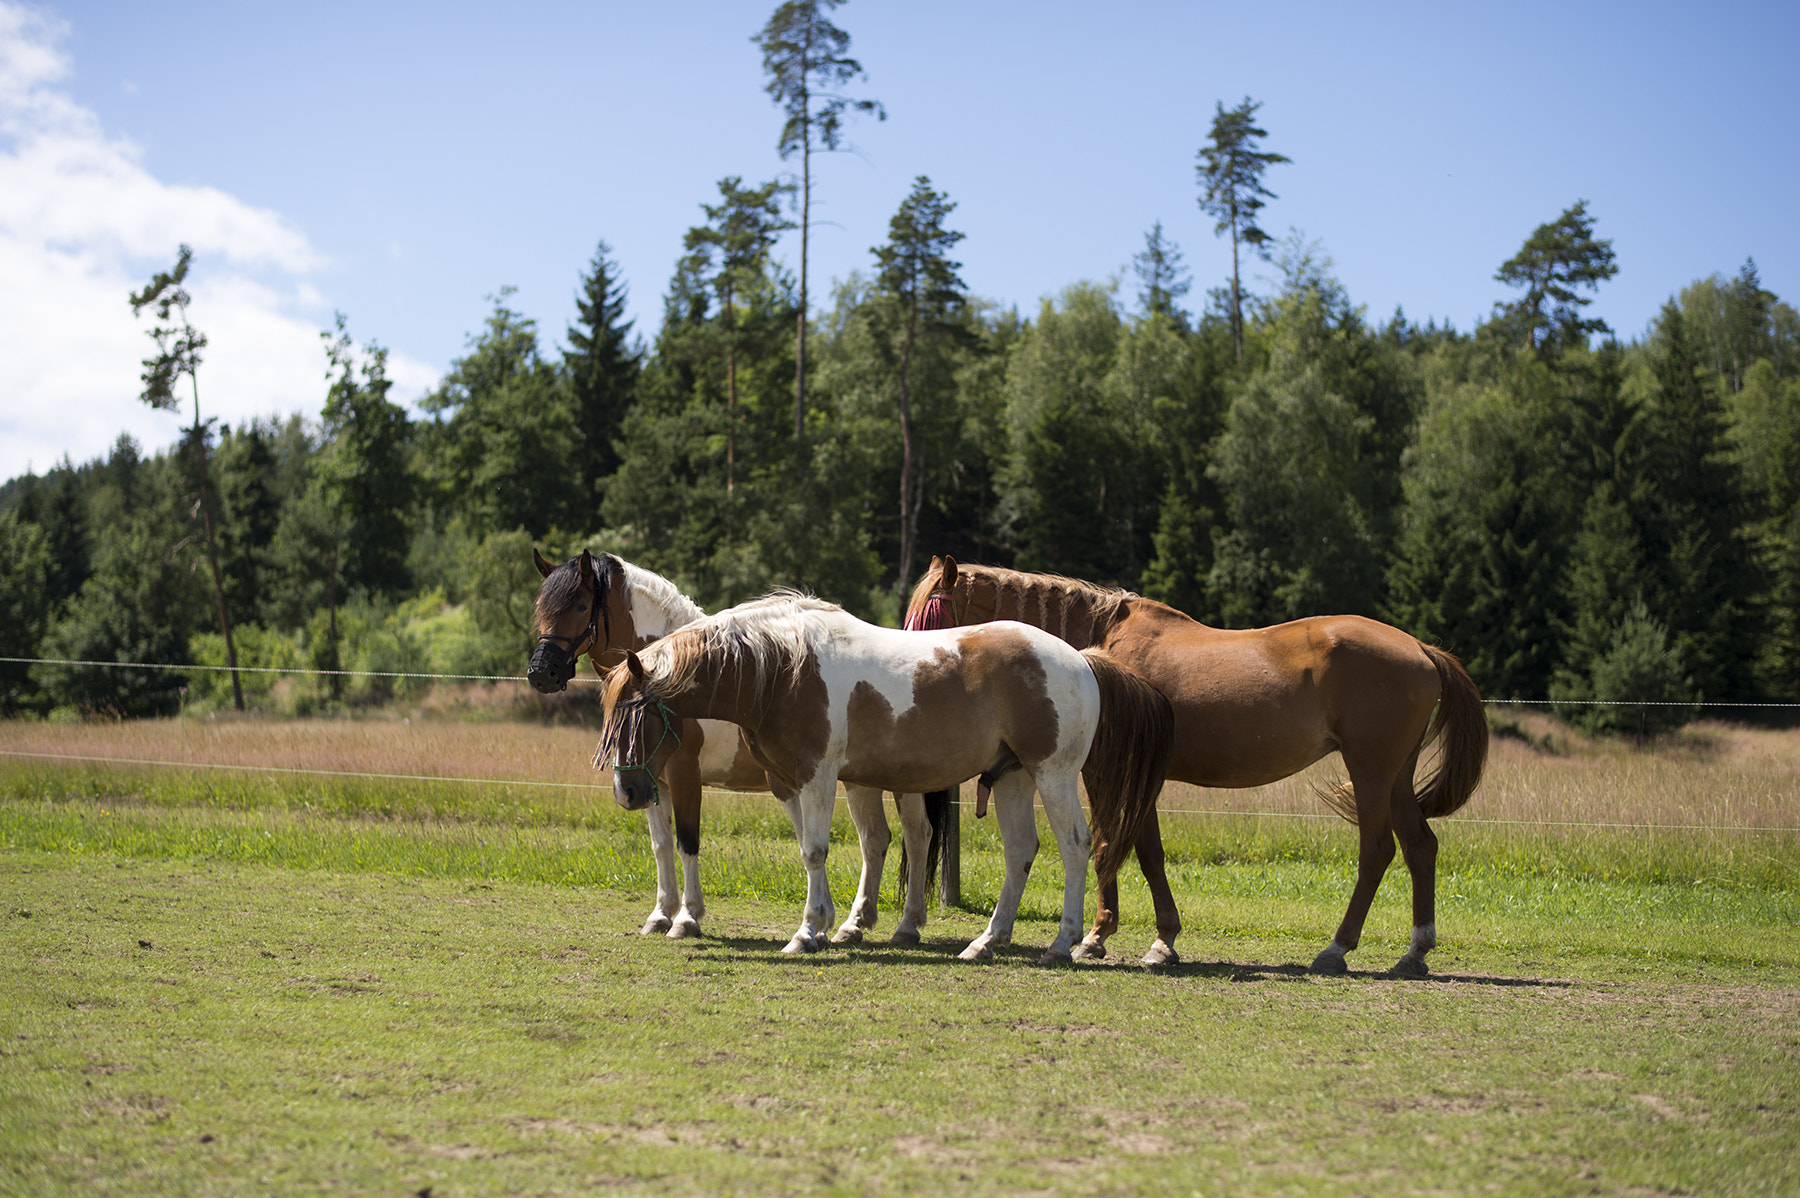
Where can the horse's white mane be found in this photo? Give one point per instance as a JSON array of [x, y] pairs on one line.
[[766, 636], [657, 605]]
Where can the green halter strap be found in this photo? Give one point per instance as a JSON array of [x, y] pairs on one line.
[[670, 722]]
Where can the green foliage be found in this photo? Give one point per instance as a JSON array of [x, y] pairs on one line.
[[364, 470], [1162, 277], [24, 606], [602, 365], [509, 454], [1557, 261], [1640, 682], [141, 604], [1230, 170]]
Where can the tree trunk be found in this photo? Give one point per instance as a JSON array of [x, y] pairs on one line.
[[800, 331], [1237, 306], [906, 456]]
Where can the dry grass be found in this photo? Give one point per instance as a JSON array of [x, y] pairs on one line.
[[1710, 775]]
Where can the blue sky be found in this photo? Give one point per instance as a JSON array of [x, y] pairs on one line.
[[402, 162]]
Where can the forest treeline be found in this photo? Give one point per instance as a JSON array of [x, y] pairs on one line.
[[1575, 515]]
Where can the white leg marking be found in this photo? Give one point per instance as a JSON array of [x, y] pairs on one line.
[[662, 846]]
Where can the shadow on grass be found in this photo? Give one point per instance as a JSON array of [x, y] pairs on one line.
[[943, 951]]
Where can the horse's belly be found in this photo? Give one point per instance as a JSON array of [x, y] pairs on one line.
[[726, 761]]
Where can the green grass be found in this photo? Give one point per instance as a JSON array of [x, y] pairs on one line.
[[220, 982]]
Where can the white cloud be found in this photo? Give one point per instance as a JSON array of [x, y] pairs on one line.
[[83, 222]]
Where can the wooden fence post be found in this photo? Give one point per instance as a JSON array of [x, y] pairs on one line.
[[950, 860]]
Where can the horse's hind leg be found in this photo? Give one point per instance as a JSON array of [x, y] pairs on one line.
[[1106, 922], [1019, 839], [915, 829], [1375, 853], [873, 834], [662, 846], [1168, 920], [1074, 842], [1418, 847]]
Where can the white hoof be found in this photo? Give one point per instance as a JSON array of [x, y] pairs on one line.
[[977, 952], [1162, 953], [656, 925], [1089, 950], [803, 943], [904, 936], [685, 929], [847, 935]]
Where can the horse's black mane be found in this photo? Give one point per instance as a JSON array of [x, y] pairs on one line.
[[562, 586]]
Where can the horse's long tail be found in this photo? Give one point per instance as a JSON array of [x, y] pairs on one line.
[[1125, 767], [1460, 723], [937, 810]]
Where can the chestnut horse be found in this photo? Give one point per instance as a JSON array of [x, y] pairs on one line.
[[602, 605], [1253, 706], [823, 697]]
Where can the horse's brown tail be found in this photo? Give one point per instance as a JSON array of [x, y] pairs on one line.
[[1461, 724], [1125, 767]]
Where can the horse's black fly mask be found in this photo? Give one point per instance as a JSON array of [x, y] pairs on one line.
[[553, 662]]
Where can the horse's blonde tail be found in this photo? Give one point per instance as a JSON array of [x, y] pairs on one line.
[[1125, 766], [1461, 724]]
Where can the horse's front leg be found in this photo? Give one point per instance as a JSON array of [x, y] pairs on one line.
[[662, 845], [873, 834], [816, 800], [915, 831], [683, 776], [1019, 838]]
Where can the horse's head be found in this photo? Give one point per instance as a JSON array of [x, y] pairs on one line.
[[933, 603], [638, 734], [571, 616]]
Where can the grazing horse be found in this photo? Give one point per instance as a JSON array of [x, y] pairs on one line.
[[602, 605], [823, 697], [1253, 706]]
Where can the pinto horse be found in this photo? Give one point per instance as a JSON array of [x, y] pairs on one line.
[[823, 697], [602, 605], [1253, 706]]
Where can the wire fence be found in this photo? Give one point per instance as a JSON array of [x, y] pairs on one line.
[[580, 786]]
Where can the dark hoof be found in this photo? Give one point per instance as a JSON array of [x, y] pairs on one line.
[[1410, 966], [1331, 963], [904, 937]]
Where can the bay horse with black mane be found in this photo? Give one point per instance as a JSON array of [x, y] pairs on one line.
[[823, 697], [603, 606], [1253, 706]]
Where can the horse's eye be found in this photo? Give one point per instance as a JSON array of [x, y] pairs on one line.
[[581, 606]]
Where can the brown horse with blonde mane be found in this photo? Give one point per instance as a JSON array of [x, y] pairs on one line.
[[1253, 706]]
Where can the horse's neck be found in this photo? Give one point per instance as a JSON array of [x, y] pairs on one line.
[[656, 605], [1069, 616], [721, 689]]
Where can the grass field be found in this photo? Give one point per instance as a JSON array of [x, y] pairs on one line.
[[223, 981]]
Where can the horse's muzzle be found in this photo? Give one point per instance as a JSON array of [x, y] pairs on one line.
[[634, 790], [550, 668]]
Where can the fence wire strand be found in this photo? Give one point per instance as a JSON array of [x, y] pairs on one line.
[[958, 802]]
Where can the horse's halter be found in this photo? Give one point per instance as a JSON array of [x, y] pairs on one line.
[[562, 660], [627, 716]]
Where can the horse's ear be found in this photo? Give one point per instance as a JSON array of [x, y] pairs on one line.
[[634, 665], [936, 562], [587, 568], [947, 579], [543, 566]]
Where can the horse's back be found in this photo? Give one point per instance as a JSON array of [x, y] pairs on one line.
[[1255, 705]]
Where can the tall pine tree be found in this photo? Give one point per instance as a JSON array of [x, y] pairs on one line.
[[602, 365]]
